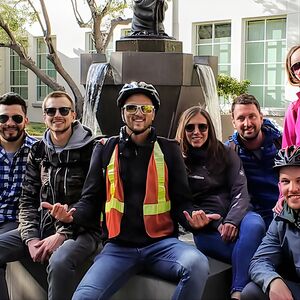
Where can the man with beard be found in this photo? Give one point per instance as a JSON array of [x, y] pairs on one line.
[[15, 144], [138, 180], [56, 169], [257, 142]]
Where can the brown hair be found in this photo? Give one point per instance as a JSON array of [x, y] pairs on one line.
[[245, 99], [293, 80], [58, 94], [214, 147]]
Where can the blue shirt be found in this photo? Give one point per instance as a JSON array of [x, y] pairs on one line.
[[11, 177]]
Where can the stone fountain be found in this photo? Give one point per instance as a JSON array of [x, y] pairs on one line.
[[149, 55]]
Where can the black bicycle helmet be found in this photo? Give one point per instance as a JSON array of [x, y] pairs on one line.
[[138, 88], [289, 156]]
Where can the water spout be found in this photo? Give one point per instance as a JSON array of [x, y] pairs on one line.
[[209, 88], [94, 83]]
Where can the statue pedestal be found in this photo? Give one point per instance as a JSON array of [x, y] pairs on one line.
[[148, 45]]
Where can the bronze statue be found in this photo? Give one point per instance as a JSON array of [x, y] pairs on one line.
[[148, 16]]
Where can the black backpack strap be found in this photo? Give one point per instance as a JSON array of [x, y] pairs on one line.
[[39, 154], [278, 143], [232, 145]]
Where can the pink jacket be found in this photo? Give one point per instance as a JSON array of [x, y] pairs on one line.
[[291, 127]]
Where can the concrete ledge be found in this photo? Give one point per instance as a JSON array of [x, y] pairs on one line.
[[28, 282]]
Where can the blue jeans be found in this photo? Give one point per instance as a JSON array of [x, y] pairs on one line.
[[237, 253], [169, 259]]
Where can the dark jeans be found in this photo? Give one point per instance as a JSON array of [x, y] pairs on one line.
[[63, 267], [237, 253], [254, 292]]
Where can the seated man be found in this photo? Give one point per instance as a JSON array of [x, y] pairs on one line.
[[56, 169], [139, 181], [15, 145], [256, 141], [275, 267]]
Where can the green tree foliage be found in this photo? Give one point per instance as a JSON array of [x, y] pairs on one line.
[[229, 87], [16, 15]]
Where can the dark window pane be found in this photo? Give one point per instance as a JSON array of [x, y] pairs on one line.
[[223, 30], [204, 32]]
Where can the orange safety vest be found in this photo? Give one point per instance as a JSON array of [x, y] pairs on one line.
[[157, 205]]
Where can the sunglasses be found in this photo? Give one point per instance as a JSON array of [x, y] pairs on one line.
[[51, 111], [18, 119], [191, 127], [295, 67], [133, 108]]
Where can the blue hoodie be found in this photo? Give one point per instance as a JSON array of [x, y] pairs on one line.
[[261, 178]]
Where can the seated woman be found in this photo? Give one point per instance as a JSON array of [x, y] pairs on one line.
[[219, 186], [275, 267]]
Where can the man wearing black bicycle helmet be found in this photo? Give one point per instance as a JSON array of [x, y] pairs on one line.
[[275, 267], [133, 115], [143, 194]]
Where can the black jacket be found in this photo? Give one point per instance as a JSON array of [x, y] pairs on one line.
[[53, 176], [134, 161], [225, 192]]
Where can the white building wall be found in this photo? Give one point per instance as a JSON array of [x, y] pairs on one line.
[[195, 11], [180, 17]]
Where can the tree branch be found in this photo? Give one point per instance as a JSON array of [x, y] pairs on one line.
[[38, 16]]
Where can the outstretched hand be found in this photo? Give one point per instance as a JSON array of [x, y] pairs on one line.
[[59, 211], [199, 218]]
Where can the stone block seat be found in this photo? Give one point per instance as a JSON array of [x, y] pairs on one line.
[[28, 281]]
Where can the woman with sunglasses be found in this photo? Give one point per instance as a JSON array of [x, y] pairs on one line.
[[218, 184], [291, 128]]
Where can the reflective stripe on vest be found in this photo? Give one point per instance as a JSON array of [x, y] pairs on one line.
[[156, 207]]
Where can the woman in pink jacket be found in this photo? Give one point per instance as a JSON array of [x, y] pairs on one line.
[[291, 129]]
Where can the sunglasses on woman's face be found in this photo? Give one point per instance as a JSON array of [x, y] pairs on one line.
[[133, 108], [202, 127], [51, 111], [18, 119], [295, 67]]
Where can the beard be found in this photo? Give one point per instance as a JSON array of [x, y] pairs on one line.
[[11, 136]]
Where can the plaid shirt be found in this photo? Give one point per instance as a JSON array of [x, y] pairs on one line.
[[11, 176]]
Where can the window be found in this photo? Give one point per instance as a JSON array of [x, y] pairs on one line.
[[215, 39], [18, 76], [45, 65], [90, 42], [264, 60]]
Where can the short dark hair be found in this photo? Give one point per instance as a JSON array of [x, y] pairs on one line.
[[13, 99], [245, 99]]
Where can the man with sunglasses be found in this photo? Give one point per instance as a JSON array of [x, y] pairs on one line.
[[138, 180], [15, 144], [56, 169], [257, 142]]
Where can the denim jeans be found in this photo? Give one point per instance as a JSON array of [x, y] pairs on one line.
[[169, 259], [254, 292], [63, 265], [238, 253]]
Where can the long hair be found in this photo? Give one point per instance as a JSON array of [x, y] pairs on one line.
[[215, 148], [293, 80]]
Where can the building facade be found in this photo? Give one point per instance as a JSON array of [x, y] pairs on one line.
[[250, 38]]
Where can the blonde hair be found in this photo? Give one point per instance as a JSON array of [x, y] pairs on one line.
[[293, 80], [58, 94]]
